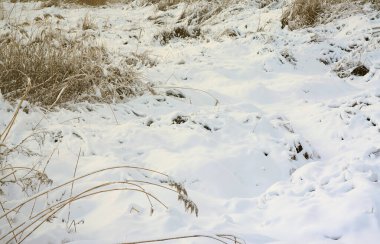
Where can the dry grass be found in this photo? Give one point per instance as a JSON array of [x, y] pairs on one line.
[[193, 15], [59, 2], [88, 23], [21, 217], [180, 32], [91, 2], [61, 69], [194, 11], [2, 11], [376, 4], [220, 238], [201, 11], [30, 218], [164, 5], [303, 13], [264, 3], [49, 3], [139, 59]]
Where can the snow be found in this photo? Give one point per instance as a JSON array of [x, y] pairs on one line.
[[234, 141]]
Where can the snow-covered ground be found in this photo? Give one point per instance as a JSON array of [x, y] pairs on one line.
[[271, 144]]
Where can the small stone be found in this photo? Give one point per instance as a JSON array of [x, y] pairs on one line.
[[360, 71]]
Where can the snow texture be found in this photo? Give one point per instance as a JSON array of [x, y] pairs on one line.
[[273, 137]]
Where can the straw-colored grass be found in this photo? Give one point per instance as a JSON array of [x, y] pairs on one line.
[[180, 32], [49, 3], [61, 69], [2, 11], [29, 222], [59, 2], [21, 217], [304, 13]]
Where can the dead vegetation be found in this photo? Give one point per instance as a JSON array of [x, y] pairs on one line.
[[49, 3], [266, 3], [347, 66], [61, 68], [139, 59], [193, 12], [301, 13], [220, 238], [88, 23], [90, 2], [23, 217], [2, 11], [44, 201], [189, 21], [181, 32], [201, 11], [164, 5]]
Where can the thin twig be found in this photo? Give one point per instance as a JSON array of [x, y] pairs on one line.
[[7, 129], [72, 186], [113, 113], [9, 221], [39, 185], [4, 177], [190, 88], [68, 201], [176, 238], [78, 178], [104, 185]]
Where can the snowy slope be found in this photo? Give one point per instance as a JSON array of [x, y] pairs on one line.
[[270, 142]]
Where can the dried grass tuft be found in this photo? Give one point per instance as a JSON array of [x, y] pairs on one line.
[[201, 11], [89, 23], [61, 69], [180, 32], [194, 12], [304, 13], [49, 3], [139, 59], [164, 5]]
